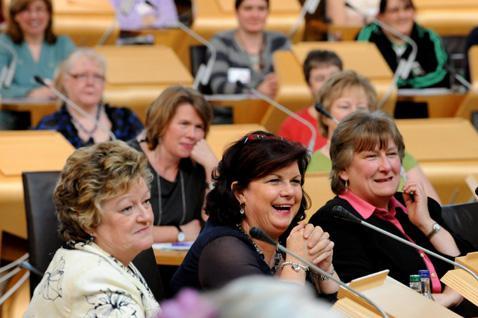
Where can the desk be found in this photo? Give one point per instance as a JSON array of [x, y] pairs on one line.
[[246, 109], [441, 102], [220, 136], [25, 151], [447, 150], [168, 257], [36, 107], [136, 75]]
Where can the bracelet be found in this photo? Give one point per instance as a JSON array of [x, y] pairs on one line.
[[323, 277], [295, 266]]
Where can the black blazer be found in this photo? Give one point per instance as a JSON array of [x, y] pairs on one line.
[[360, 251]]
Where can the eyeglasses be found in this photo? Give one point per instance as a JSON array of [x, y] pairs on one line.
[[260, 136], [83, 77]]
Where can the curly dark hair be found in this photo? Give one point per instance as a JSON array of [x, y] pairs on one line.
[[252, 157]]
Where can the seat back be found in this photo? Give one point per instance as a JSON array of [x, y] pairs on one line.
[[42, 225], [463, 220]]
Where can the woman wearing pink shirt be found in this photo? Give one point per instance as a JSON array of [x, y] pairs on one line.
[[366, 152]]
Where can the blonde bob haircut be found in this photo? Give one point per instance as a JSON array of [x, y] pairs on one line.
[[82, 53], [336, 86], [360, 131], [163, 109], [92, 175]]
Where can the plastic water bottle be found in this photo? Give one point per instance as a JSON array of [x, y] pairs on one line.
[[426, 283], [415, 283]]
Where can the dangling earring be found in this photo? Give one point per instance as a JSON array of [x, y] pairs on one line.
[[346, 182], [241, 210]]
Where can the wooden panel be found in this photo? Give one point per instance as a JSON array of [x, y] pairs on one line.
[[221, 136], [317, 186], [25, 151]]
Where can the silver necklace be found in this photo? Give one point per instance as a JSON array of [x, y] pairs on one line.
[[160, 199], [89, 132], [277, 255]]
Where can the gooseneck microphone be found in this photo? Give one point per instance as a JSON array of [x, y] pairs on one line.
[[282, 108], [320, 109], [404, 66], [345, 215], [9, 72], [259, 234], [70, 103]]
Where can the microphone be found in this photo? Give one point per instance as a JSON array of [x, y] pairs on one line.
[[404, 66], [70, 103], [204, 71], [7, 77], [345, 215], [309, 6], [259, 234], [319, 108], [283, 109]]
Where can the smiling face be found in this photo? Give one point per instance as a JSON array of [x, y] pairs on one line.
[[84, 82], [400, 15], [252, 15], [272, 202], [351, 100], [126, 223], [374, 175], [33, 21], [184, 130]]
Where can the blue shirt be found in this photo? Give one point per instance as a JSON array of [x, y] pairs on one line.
[[26, 67], [125, 125]]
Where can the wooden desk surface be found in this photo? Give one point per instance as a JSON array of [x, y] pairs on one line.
[[25, 151], [220, 136], [444, 104], [166, 257]]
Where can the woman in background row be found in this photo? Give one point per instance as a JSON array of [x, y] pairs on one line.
[[258, 183], [82, 79], [343, 94], [318, 66], [103, 206], [245, 54], [429, 67], [366, 152], [181, 161], [30, 44]]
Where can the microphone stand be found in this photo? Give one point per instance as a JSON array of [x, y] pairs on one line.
[[343, 214], [309, 6], [259, 234], [403, 69], [70, 103], [284, 109]]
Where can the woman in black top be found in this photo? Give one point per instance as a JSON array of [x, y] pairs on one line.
[[258, 183], [181, 161]]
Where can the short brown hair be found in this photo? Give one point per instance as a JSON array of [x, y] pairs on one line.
[[335, 86], [237, 3], [13, 29], [360, 131], [163, 109], [320, 58], [92, 175]]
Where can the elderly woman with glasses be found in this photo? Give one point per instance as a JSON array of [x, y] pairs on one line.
[[86, 119]]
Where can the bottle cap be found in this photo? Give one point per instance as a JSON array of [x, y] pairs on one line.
[[424, 273], [414, 278]]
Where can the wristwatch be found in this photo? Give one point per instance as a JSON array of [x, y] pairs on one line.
[[435, 228], [181, 236]]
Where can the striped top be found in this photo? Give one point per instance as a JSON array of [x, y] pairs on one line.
[[231, 55]]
